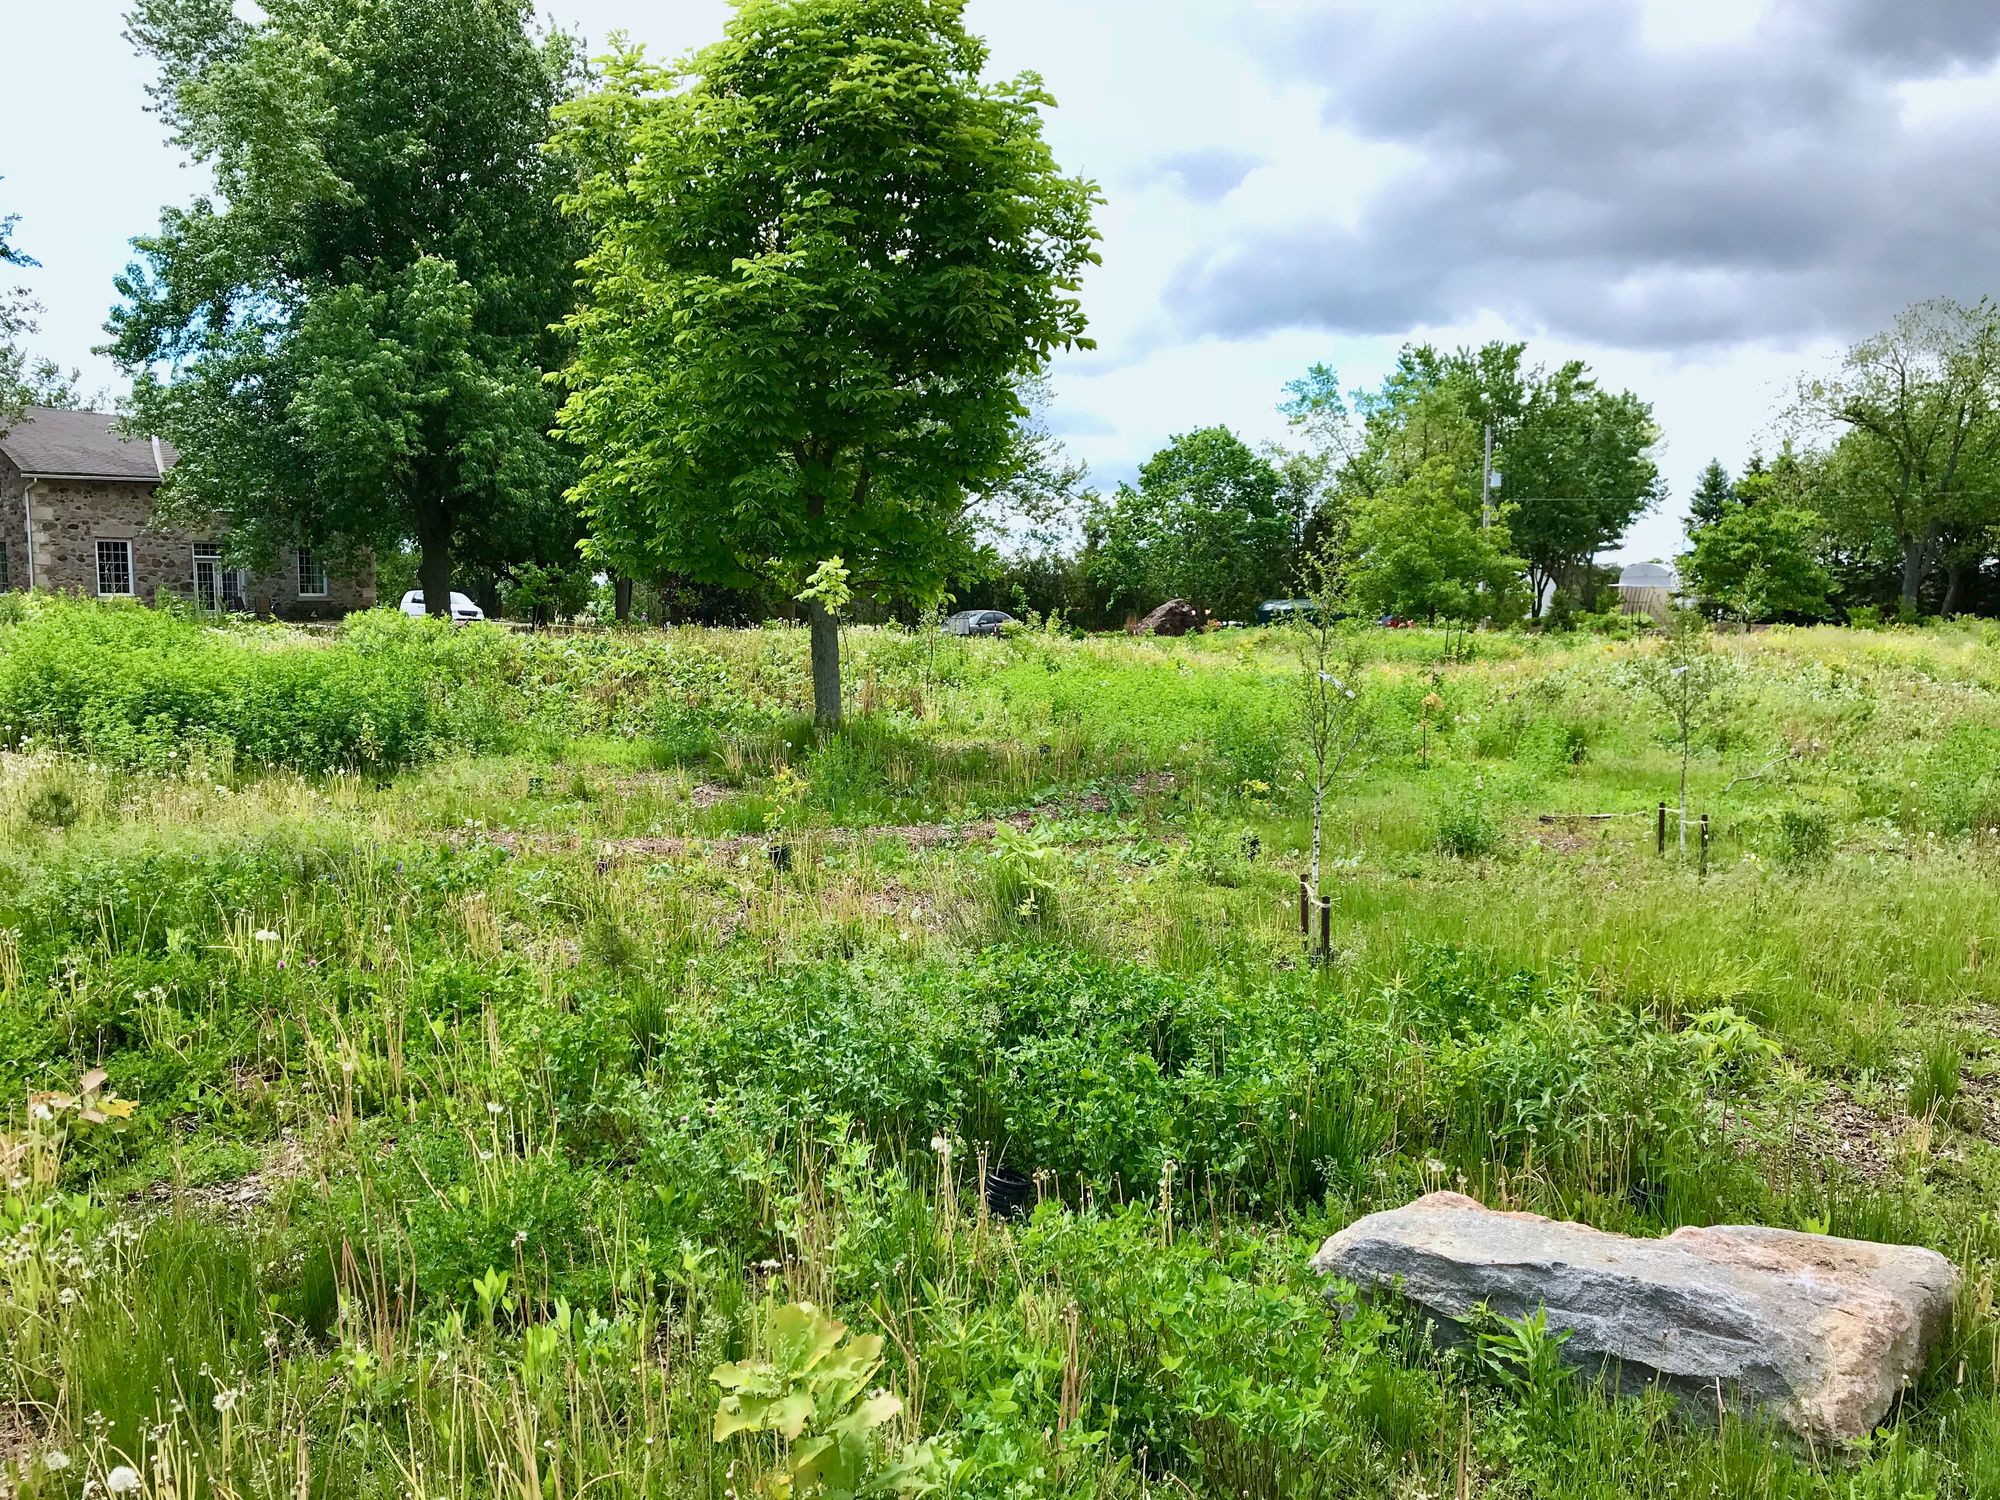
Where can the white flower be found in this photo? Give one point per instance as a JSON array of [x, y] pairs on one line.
[[122, 1480], [265, 935], [55, 1460], [494, 1106], [225, 1399]]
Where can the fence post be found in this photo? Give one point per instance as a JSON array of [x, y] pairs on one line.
[[1325, 929], [1704, 846], [1305, 923], [1660, 830]]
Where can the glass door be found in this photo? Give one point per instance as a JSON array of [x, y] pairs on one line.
[[216, 587]]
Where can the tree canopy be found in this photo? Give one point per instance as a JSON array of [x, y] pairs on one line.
[[1206, 522], [355, 329], [1761, 561], [1713, 498], [1416, 551], [1915, 416], [823, 253], [1576, 459]]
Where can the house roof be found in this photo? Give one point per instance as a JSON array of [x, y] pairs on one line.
[[1648, 575], [50, 444]]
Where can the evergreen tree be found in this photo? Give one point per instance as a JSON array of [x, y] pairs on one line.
[[1713, 498]]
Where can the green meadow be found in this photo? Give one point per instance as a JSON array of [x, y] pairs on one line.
[[450, 1063]]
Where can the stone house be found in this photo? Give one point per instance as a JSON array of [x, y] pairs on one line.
[[76, 515]]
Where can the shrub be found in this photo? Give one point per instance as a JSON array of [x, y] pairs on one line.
[[139, 687], [1466, 826]]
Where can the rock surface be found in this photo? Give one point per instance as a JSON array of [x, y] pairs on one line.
[[1175, 617], [1820, 1333]]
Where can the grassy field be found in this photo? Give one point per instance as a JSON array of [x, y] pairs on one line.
[[431, 1060]]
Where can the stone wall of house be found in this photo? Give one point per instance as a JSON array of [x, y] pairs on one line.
[[72, 515], [13, 528]]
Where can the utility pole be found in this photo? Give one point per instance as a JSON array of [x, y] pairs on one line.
[[1486, 483]]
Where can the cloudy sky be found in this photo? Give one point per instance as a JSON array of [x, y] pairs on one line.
[[1700, 197]]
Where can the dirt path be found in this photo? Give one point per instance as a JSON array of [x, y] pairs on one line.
[[913, 835]]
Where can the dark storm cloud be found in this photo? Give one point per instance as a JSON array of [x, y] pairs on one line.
[[1211, 173], [1569, 176]]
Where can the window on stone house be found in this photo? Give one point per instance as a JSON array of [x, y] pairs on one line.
[[114, 568], [312, 575]]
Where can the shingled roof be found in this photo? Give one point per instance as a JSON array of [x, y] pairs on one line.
[[50, 444]]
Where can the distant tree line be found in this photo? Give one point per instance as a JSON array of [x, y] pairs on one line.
[[1389, 485], [768, 330], [1885, 495]]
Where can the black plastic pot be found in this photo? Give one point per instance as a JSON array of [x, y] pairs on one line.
[[1009, 1195]]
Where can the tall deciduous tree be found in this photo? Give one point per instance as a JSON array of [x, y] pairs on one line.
[[1417, 551], [1206, 522], [1577, 459], [1917, 413], [356, 328], [823, 254], [1760, 561]]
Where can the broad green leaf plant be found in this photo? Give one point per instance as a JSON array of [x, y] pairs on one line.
[[810, 1391]]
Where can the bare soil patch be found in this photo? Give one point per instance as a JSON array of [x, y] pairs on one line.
[[286, 1163]]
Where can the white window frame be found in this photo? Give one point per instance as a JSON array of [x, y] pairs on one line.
[[130, 591], [231, 586], [308, 565]]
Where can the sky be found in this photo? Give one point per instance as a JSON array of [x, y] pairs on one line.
[[1702, 199]]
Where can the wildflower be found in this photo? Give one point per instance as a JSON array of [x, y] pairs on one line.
[[55, 1460], [122, 1480], [494, 1106], [265, 935], [226, 1399]]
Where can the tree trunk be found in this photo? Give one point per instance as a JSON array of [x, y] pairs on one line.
[[825, 665], [434, 570], [621, 598], [1954, 585], [1913, 573]]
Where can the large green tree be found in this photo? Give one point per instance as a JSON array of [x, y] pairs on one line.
[[1576, 459], [1207, 522], [1760, 561], [1416, 550], [824, 253], [348, 341], [1916, 461]]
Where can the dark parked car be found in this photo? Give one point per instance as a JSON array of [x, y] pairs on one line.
[[1277, 611], [979, 622]]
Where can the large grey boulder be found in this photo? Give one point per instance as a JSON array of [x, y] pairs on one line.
[[1818, 1332]]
